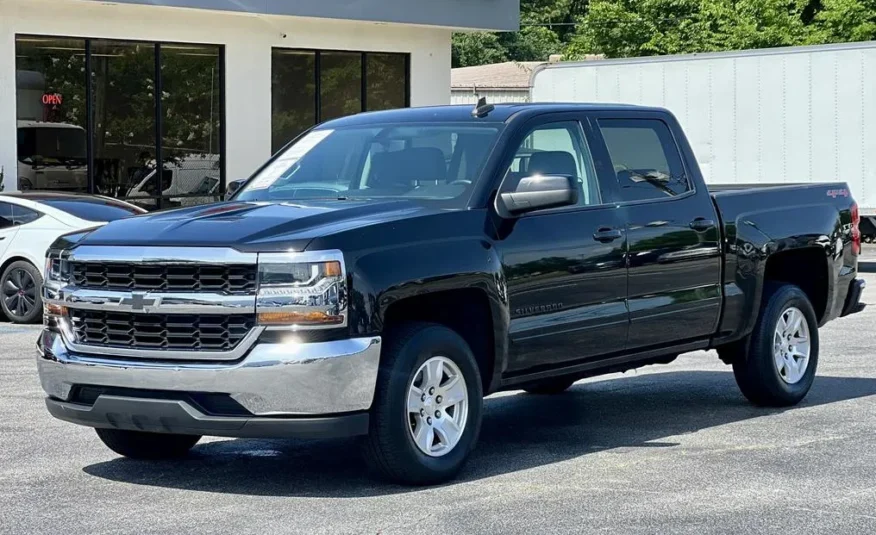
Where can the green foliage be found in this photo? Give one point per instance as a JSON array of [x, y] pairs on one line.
[[623, 28], [845, 20], [477, 48], [628, 28]]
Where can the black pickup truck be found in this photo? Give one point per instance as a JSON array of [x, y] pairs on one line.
[[384, 272]]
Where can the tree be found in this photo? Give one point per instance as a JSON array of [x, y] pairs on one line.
[[623, 28], [477, 48], [844, 20]]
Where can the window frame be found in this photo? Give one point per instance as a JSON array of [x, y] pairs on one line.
[[607, 188], [605, 165]]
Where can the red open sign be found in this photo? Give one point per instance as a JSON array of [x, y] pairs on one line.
[[53, 99]]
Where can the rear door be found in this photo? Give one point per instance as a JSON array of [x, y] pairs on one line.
[[674, 262], [564, 267]]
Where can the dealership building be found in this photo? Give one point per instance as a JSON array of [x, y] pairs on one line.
[[163, 102]]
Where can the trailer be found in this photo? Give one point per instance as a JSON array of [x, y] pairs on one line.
[[754, 117]]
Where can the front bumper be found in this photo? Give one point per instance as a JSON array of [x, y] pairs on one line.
[[285, 389]]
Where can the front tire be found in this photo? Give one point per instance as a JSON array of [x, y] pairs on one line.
[[20, 298], [426, 415], [782, 355], [151, 446]]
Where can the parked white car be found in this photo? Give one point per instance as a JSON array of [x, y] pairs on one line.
[[29, 223]]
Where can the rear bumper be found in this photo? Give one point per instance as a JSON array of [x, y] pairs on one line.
[[292, 390], [853, 298]]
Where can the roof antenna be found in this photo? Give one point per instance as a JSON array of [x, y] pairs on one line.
[[482, 109]]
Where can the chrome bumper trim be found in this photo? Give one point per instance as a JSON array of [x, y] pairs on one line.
[[150, 302], [160, 255], [273, 380]]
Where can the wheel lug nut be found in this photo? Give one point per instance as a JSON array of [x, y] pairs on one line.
[[431, 390], [437, 414], [422, 412], [439, 399], [423, 397], [429, 420]]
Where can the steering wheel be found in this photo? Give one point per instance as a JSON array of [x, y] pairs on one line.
[[461, 182]]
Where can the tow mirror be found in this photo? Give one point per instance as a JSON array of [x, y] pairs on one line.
[[540, 193]]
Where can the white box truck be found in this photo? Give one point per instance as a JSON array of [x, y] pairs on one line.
[[772, 116]]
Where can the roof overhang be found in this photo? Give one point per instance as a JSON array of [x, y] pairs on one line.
[[496, 15]]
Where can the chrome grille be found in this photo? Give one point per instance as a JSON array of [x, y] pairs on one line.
[[160, 331], [181, 278]]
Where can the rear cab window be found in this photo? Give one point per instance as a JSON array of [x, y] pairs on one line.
[[644, 158]]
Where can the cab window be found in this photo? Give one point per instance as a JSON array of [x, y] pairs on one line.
[[556, 149]]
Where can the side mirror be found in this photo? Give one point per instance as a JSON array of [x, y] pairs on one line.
[[540, 193], [233, 186]]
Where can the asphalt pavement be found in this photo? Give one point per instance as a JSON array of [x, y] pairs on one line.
[[665, 449]]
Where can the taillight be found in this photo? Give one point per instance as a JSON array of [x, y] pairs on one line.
[[856, 230]]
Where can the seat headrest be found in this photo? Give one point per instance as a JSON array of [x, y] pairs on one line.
[[399, 168], [552, 163]]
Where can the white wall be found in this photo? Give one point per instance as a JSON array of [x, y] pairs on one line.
[[248, 40]]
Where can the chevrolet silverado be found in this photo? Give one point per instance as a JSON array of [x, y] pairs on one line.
[[384, 272]]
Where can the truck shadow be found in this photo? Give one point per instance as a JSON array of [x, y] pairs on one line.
[[520, 431]]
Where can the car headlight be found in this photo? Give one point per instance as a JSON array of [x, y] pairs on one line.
[[307, 290], [57, 267]]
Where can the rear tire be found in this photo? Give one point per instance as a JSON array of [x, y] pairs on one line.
[[152, 446], [550, 387], [771, 374], [20, 297], [399, 414]]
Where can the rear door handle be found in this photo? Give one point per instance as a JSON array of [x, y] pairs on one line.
[[701, 223], [605, 234]]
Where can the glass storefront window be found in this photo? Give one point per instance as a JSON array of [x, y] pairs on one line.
[[313, 86], [340, 84], [101, 101], [386, 85], [50, 105], [293, 98], [190, 106], [123, 89]]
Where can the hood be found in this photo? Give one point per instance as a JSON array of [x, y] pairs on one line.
[[252, 226]]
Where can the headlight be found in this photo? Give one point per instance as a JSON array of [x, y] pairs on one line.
[[57, 267], [306, 290]]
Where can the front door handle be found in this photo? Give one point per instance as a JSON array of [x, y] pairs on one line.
[[701, 224], [606, 235]]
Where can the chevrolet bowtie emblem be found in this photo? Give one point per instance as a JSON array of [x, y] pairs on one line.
[[138, 302]]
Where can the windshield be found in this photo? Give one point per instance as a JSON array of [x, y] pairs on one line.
[[51, 145], [438, 161]]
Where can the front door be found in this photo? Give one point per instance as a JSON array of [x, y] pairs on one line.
[[565, 268]]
